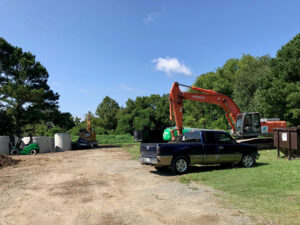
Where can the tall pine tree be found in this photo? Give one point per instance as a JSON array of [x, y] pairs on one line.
[[24, 91]]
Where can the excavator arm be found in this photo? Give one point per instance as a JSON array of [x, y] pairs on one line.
[[202, 95]]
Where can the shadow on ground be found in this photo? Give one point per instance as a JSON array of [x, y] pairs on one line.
[[200, 168], [109, 146]]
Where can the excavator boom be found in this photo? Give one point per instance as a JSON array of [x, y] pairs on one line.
[[202, 95], [243, 124]]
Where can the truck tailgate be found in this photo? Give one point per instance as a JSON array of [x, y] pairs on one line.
[[148, 150]]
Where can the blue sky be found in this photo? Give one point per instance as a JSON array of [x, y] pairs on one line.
[[125, 49]]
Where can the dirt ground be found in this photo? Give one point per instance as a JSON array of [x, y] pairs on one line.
[[103, 186]]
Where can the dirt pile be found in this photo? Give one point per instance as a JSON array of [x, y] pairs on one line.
[[7, 161]]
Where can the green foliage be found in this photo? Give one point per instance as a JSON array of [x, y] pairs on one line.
[[250, 77], [283, 92], [114, 139], [144, 113], [44, 130], [270, 189], [107, 113], [23, 87], [256, 84], [6, 123], [75, 130]]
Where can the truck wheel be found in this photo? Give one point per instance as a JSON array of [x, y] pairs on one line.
[[180, 165], [248, 160]]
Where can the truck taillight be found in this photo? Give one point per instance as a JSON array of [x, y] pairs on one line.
[[157, 150]]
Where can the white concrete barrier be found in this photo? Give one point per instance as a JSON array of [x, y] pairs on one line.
[[4, 144], [62, 142]]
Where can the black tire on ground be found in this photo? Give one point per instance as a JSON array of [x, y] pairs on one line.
[[248, 160], [33, 152], [14, 152], [180, 165]]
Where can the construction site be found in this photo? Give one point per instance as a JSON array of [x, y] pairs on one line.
[[149, 113]]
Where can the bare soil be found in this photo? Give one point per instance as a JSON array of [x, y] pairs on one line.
[[7, 161], [103, 186]]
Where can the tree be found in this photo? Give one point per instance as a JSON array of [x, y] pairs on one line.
[[281, 95], [145, 113], [62, 120], [6, 122], [107, 113], [250, 77], [23, 87]]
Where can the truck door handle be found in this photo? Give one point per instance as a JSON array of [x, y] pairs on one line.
[[221, 147]]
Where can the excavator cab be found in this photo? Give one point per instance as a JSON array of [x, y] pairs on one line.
[[248, 124]]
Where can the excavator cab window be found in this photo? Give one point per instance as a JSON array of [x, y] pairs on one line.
[[251, 123], [248, 124], [256, 123]]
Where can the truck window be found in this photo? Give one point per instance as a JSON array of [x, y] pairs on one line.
[[192, 136], [223, 138], [210, 138]]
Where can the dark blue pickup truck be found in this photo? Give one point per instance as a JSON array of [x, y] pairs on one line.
[[198, 147]]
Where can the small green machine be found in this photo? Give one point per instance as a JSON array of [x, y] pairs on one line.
[[25, 149], [167, 132]]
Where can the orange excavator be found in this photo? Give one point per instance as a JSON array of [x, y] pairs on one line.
[[244, 125]]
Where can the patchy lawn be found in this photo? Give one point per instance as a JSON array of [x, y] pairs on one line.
[[270, 190], [133, 149]]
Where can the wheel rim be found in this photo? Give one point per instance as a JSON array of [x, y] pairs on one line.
[[248, 160], [181, 165], [33, 152]]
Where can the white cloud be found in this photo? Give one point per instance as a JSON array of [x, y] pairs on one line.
[[171, 66], [125, 87], [151, 17]]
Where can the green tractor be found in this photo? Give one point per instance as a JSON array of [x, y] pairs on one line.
[[25, 149]]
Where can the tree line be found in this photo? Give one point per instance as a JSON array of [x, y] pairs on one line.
[[262, 84]]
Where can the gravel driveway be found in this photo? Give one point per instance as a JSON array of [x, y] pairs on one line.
[[103, 186]]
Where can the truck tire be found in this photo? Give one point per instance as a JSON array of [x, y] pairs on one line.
[[180, 165], [248, 160]]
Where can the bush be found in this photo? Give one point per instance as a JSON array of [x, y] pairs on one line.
[[100, 130], [114, 139], [75, 130]]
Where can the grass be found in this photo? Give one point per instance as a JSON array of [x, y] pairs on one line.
[[111, 139], [270, 190], [115, 139], [133, 149]]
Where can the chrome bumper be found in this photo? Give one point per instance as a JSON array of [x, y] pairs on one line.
[[146, 160]]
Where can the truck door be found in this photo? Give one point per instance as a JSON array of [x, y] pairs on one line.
[[195, 150], [227, 148], [210, 148]]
